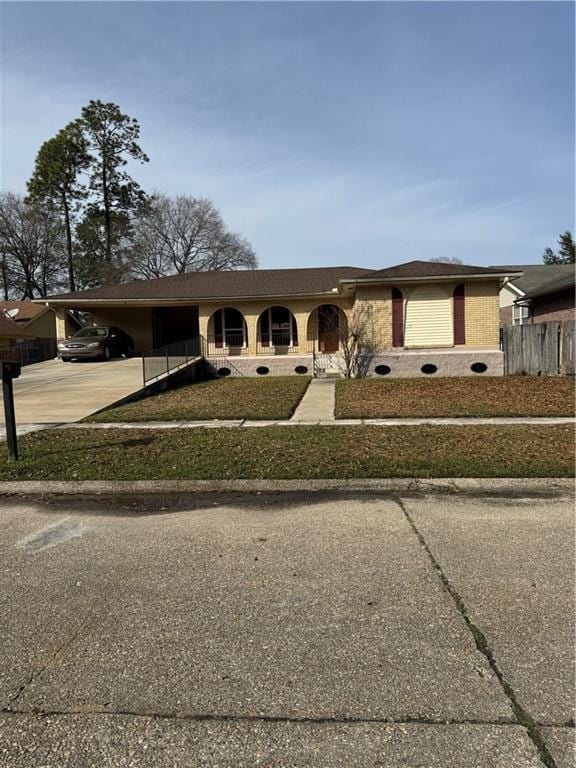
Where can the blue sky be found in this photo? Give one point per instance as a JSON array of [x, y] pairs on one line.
[[327, 133]]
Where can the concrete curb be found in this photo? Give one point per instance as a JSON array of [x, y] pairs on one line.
[[496, 486]]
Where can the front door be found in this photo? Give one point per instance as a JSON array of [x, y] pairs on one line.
[[328, 328]]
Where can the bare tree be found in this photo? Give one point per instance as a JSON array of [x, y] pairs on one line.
[[32, 248], [356, 339], [185, 234], [446, 260]]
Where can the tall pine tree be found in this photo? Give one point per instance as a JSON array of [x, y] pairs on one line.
[[566, 253], [56, 181], [112, 139]]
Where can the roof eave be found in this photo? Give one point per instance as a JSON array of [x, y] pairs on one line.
[[429, 278], [192, 300]]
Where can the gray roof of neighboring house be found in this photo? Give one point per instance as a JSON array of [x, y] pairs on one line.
[[265, 282], [556, 285], [537, 275]]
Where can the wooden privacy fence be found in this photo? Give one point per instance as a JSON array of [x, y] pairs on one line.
[[542, 349]]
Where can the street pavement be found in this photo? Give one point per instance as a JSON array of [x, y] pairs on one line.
[[287, 629]]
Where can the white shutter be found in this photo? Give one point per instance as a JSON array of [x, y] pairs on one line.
[[428, 318]]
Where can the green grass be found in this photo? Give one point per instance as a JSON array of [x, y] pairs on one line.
[[242, 398], [494, 396], [293, 452]]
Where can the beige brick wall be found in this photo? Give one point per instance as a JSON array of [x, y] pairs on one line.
[[375, 304], [64, 326], [482, 313]]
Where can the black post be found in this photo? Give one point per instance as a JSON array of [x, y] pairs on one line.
[[10, 420]]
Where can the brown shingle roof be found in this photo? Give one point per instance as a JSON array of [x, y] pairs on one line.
[[26, 309], [240, 284], [415, 269], [265, 282], [11, 330]]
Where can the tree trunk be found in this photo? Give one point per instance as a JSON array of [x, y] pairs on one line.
[[5, 281], [107, 219], [71, 281]]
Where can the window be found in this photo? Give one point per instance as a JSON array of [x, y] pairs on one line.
[[229, 328], [520, 314], [278, 328]]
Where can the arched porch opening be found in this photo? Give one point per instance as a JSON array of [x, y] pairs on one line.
[[327, 326], [276, 331], [227, 332]]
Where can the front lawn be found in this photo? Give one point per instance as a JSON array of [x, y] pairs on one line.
[[496, 396], [242, 398], [293, 452]]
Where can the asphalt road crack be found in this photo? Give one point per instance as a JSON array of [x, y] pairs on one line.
[[223, 717], [58, 653], [523, 717]]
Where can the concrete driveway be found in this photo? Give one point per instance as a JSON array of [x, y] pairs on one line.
[[56, 392], [303, 629]]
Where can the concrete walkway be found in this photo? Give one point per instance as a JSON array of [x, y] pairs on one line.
[[53, 392], [318, 402]]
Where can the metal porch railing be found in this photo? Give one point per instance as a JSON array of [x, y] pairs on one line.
[[158, 362]]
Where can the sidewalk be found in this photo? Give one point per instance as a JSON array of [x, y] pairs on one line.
[[295, 421], [541, 421]]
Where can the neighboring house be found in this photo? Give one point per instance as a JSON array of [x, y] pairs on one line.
[[38, 320], [543, 292], [552, 301], [440, 317], [36, 324], [9, 333]]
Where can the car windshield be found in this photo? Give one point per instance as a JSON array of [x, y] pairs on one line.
[[91, 333]]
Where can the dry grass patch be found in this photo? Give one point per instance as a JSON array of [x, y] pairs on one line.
[[242, 398], [496, 396], [293, 452]]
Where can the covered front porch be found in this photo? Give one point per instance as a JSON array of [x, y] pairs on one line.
[[275, 330]]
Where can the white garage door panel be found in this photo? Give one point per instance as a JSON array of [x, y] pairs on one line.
[[428, 318]]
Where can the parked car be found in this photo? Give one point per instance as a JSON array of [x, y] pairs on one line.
[[96, 342]]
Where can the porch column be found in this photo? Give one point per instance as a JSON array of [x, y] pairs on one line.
[[302, 325], [203, 318], [61, 322], [251, 326]]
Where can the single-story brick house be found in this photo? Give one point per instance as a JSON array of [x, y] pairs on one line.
[[543, 292], [443, 318], [552, 301]]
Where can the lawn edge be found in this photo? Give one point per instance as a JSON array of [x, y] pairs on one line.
[[460, 485]]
